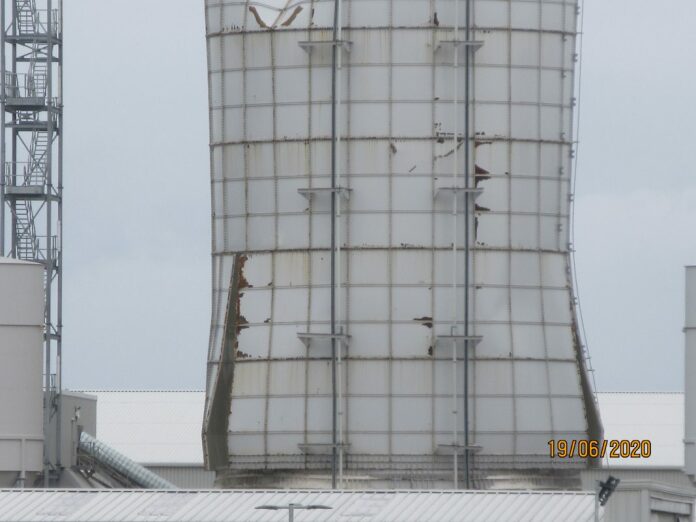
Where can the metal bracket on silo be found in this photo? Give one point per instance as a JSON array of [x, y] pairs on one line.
[[471, 45], [466, 339], [318, 448], [308, 193], [451, 449], [307, 338], [309, 46], [473, 193]]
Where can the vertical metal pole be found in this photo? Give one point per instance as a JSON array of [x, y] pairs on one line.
[[467, 226], [13, 158], [334, 205], [291, 513], [59, 242], [339, 273], [455, 196], [49, 229], [3, 152]]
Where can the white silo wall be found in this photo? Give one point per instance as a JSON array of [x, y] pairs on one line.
[[270, 125], [21, 357]]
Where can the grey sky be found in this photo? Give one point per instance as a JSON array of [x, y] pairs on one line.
[[636, 191], [137, 196]]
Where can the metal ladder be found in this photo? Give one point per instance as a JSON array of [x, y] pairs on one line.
[[27, 244], [27, 17], [37, 79], [38, 160]]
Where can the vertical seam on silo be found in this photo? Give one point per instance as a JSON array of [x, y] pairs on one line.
[[510, 246], [390, 252], [472, 247], [348, 252], [560, 191], [224, 167], [274, 118], [223, 152], [454, 319], [540, 254], [467, 241], [563, 136], [433, 338], [245, 137], [269, 364], [216, 247], [334, 168], [310, 254]]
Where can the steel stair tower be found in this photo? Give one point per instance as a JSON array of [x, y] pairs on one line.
[[31, 184]]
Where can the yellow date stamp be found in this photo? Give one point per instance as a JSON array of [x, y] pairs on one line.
[[594, 449]]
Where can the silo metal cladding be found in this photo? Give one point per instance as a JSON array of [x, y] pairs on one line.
[[341, 328], [21, 364]]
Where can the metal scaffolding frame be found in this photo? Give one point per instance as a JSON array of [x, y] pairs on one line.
[[31, 181]]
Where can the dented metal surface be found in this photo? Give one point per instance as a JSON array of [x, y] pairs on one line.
[[270, 136]]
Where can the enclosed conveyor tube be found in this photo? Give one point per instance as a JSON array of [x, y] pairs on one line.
[[117, 461]]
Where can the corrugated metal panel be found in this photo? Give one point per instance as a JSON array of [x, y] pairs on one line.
[[152, 427], [233, 506], [271, 135], [657, 417]]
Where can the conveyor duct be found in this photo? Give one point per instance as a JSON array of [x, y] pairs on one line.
[[111, 458]]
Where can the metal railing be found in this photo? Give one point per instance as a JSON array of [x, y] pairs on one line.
[[25, 173], [25, 85], [12, 89], [37, 248], [47, 245], [32, 22]]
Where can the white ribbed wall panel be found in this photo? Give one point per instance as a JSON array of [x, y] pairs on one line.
[[270, 117], [21, 365]]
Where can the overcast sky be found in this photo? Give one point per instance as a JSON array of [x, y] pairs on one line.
[[137, 195], [636, 189]]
